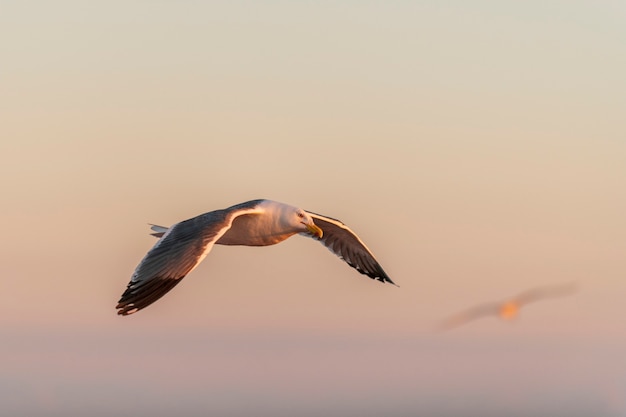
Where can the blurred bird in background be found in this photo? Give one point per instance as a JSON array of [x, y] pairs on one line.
[[508, 309]]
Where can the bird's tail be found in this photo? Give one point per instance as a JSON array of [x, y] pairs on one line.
[[158, 230]]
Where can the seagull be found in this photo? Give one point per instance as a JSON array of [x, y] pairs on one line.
[[184, 245], [507, 309]]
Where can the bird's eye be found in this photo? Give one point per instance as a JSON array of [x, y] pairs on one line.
[[300, 214]]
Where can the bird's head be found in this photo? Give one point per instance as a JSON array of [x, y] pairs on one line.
[[304, 222]]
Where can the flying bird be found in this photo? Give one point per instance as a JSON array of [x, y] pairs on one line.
[[507, 309], [184, 245]]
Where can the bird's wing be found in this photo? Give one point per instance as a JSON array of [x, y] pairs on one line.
[[180, 249], [344, 243], [459, 319], [540, 293]]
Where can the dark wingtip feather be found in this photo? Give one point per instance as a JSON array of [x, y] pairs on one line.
[[376, 272], [141, 296], [384, 278]]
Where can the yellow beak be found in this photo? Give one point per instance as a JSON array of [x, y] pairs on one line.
[[314, 230]]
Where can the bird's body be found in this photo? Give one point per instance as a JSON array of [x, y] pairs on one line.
[[184, 245], [509, 310]]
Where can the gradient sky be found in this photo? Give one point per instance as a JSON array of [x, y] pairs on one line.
[[478, 148]]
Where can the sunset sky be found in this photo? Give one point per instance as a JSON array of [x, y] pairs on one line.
[[478, 148]]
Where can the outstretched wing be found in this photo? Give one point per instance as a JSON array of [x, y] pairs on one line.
[[344, 243], [179, 250]]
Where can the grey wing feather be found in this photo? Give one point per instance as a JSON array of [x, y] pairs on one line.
[[178, 251], [344, 243]]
